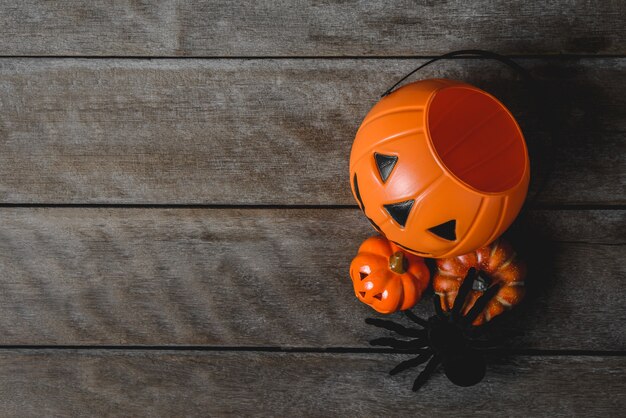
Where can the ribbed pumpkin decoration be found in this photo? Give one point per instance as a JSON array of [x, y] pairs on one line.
[[439, 167], [386, 278], [496, 264]]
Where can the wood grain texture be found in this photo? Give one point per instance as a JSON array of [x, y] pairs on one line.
[[268, 131], [308, 27], [264, 292], [139, 383], [270, 277]]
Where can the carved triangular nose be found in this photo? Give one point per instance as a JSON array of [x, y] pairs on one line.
[[400, 211], [446, 230], [385, 164]]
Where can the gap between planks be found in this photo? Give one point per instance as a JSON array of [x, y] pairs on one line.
[[209, 206], [310, 57], [312, 350]]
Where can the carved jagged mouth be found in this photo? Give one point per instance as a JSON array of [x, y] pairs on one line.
[[420, 253], [357, 193], [399, 212]]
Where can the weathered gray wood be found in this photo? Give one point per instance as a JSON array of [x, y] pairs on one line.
[[156, 383], [595, 227], [264, 131], [305, 27], [261, 277]]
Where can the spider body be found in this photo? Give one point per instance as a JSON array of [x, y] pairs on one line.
[[462, 364], [449, 339]]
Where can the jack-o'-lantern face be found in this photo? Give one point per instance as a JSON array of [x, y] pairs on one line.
[[439, 167]]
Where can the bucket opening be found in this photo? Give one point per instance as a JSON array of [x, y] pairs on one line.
[[477, 139]]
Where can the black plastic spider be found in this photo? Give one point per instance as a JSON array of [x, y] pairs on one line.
[[445, 338]]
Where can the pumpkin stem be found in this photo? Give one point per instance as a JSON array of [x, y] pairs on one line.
[[397, 262]]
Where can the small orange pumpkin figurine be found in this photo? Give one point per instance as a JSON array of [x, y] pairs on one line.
[[386, 278], [496, 264], [439, 167]]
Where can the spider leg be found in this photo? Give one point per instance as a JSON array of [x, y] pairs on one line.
[[400, 344], [425, 374], [483, 329], [392, 326], [480, 304], [437, 303], [462, 294], [419, 321], [414, 362]]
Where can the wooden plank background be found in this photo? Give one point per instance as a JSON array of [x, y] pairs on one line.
[[264, 131], [162, 383], [176, 223], [316, 28], [267, 277]]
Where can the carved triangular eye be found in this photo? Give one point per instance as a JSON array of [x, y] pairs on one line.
[[400, 211], [446, 230], [385, 164]]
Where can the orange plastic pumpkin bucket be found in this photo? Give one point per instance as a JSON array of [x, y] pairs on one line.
[[440, 167]]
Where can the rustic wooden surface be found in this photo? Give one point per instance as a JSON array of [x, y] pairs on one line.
[[164, 383], [264, 131], [309, 27], [176, 223], [267, 277]]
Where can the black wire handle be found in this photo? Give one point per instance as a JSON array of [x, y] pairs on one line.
[[543, 112], [465, 52]]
